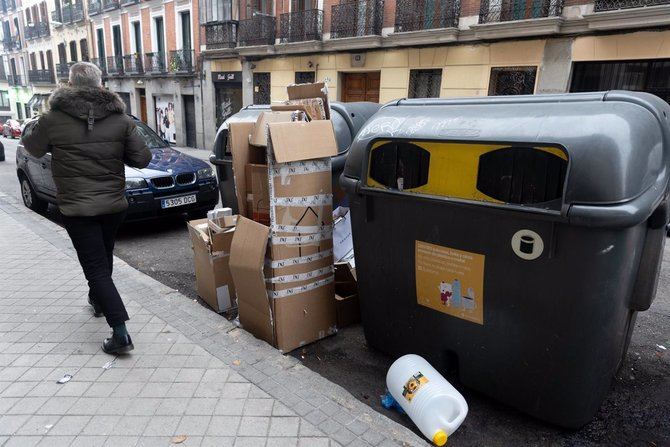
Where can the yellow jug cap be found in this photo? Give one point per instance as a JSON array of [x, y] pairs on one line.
[[440, 438]]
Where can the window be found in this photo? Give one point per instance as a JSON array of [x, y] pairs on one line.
[[100, 38], [185, 30], [425, 83], [137, 33], [302, 5], [73, 51], [159, 35], [83, 47], [116, 36], [27, 110], [261, 88], [512, 81], [62, 56], [218, 10], [19, 110], [651, 76], [4, 100], [304, 77]]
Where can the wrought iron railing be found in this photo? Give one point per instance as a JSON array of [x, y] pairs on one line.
[[301, 26], [41, 76], [416, 16], [108, 5], [11, 5], [71, 13], [94, 7], [133, 64], [15, 80], [611, 5], [12, 43], [182, 61], [508, 10], [56, 18], [63, 70], [37, 29], [357, 18], [154, 63], [129, 2], [3, 6], [221, 34], [101, 63], [259, 30], [115, 65]]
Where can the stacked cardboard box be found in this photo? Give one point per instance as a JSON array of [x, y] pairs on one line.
[[283, 271], [211, 240]]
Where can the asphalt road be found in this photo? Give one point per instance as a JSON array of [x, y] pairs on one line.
[[636, 412]]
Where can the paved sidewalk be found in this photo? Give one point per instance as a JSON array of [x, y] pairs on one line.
[[192, 372]]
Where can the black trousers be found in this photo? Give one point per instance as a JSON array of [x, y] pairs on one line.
[[93, 239]]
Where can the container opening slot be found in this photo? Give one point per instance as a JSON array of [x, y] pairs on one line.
[[400, 165]]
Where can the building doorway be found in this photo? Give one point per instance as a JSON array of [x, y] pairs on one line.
[[143, 104], [361, 87], [227, 94], [189, 115], [262, 88]]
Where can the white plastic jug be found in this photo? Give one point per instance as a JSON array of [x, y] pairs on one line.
[[433, 404]]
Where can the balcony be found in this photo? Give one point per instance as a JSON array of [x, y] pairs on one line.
[[410, 16], [129, 2], [182, 61], [56, 18], [12, 43], [108, 5], [220, 35], [357, 18], [132, 64], [15, 80], [94, 7], [115, 65], [259, 30], [41, 76], [154, 63], [36, 30], [301, 26], [72, 13], [612, 5], [11, 5], [510, 10], [101, 64], [63, 70]]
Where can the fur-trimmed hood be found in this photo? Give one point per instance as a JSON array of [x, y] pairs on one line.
[[86, 103]]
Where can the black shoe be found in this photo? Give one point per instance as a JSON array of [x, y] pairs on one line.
[[97, 312], [114, 345]]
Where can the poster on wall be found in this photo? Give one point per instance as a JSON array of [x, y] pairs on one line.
[[165, 121]]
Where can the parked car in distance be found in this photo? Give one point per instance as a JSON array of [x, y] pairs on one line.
[[347, 118], [173, 183], [11, 129]]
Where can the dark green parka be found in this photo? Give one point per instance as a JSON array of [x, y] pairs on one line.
[[90, 139]]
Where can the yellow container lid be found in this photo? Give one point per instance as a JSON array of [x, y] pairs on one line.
[[440, 438]]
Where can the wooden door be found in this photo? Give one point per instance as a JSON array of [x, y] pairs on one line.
[[143, 108], [361, 87]]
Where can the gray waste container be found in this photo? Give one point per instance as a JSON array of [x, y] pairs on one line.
[[512, 240]]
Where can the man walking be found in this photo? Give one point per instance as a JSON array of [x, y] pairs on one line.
[[90, 138]]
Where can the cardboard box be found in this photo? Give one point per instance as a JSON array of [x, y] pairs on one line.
[[285, 288], [258, 194], [309, 95], [346, 295], [259, 135], [211, 254]]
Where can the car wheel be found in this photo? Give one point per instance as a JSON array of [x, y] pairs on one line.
[[30, 199]]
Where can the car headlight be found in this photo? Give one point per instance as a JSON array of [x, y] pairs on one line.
[[136, 183], [205, 173]]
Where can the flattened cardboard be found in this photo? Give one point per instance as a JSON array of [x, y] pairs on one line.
[[301, 140], [259, 134], [315, 90], [214, 283], [243, 154], [247, 256]]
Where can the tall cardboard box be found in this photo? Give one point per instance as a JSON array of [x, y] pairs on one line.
[[258, 195], [211, 254], [284, 272]]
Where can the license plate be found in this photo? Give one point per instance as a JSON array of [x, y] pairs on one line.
[[178, 201]]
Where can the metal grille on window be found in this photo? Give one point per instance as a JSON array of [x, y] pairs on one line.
[[512, 81], [304, 77], [261, 88], [651, 76], [425, 83]]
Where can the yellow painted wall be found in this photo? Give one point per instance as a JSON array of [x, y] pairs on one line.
[[642, 45], [466, 67]]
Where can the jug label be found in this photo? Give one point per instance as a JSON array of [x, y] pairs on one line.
[[413, 385], [450, 281]]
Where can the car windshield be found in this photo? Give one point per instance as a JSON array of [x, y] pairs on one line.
[[153, 141]]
